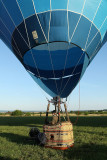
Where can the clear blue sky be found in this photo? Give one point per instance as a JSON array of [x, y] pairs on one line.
[[19, 91]]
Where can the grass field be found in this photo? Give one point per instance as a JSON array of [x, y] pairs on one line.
[[90, 134]]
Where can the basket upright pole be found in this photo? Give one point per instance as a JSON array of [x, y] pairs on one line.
[[66, 111], [46, 120], [59, 109]]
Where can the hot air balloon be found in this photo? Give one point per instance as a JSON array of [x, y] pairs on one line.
[[55, 40]]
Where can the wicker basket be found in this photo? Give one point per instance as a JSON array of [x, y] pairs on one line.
[[59, 136]]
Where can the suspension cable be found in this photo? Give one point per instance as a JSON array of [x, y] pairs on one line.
[[28, 39], [78, 20], [29, 43], [13, 22], [67, 47], [12, 46], [46, 41], [68, 20], [19, 53], [71, 36], [97, 33], [91, 24], [14, 25], [79, 106], [90, 27], [95, 51], [49, 48], [72, 72], [64, 68], [27, 66], [49, 31], [17, 30], [49, 21], [9, 41]]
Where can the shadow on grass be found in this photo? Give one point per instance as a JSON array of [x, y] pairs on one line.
[[19, 139], [79, 151], [95, 121], [87, 152], [21, 121], [33, 121], [99, 133], [7, 158]]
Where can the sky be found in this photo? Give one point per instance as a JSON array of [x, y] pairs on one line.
[[19, 91]]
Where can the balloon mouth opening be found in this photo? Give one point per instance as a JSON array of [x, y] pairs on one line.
[[58, 57], [58, 68]]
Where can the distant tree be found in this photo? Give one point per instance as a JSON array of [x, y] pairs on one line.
[[9, 112], [78, 112], [86, 113], [40, 114], [17, 113], [71, 112], [33, 113], [27, 114], [100, 112]]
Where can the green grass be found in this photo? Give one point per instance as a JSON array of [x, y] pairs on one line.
[[90, 134]]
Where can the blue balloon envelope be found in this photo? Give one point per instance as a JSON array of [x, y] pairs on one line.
[[55, 40]]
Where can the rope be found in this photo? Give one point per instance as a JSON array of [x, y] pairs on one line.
[[103, 35], [13, 22], [46, 40], [68, 20], [71, 36], [19, 53], [78, 20], [78, 108], [28, 39], [49, 21], [64, 68], [10, 45], [63, 114], [39, 21], [9, 41], [92, 24], [27, 66], [68, 100], [72, 73], [95, 51], [14, 25], [30, 44], [17, 30], [96, 33], [67, 47], [88, 33], [49, 48]]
